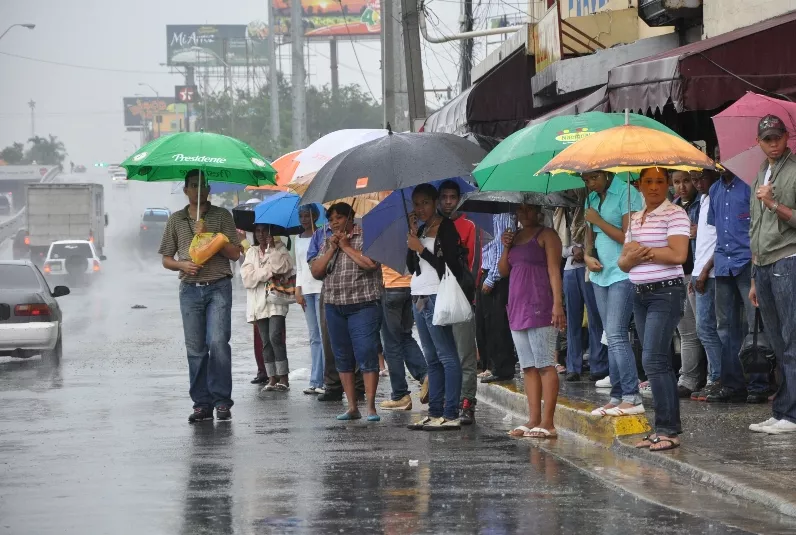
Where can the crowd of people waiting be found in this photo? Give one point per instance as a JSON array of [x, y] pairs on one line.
[[695, 254]]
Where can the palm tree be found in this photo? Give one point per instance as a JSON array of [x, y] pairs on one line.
[[46, 151]]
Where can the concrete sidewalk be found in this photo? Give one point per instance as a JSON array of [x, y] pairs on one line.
[[718, 450]]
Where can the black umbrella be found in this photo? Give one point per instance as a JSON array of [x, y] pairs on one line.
[[499, 202], [393, 162], [485, 142], [243, 214]]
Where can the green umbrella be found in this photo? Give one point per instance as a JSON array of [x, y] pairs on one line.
[[512, 164]]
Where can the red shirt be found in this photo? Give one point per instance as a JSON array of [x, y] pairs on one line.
[[466, 230]]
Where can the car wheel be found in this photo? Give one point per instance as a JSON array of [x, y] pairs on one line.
[[54, 356]]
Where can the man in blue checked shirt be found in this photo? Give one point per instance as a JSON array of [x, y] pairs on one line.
[[495, 345]]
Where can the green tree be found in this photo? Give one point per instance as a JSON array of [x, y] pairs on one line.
[[13, 154], [45, 151]]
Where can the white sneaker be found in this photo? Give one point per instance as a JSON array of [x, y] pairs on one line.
[[780, 428], [605, 382], [758, 428]]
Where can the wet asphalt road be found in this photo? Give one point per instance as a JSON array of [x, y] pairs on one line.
[[100, 443]]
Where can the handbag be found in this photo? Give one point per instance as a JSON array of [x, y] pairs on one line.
[[282, 289], [757, 356]]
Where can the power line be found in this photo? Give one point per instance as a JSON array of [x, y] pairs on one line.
[[74, 66]]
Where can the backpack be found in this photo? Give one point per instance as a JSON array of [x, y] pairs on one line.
[[756, 355]]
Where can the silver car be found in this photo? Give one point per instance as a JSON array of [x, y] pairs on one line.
[[30, 318]]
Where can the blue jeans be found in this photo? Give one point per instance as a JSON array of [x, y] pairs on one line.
[[207, 323], [775, 286], [444, 368], [354, 335], [312, 314], [707, 330], [736, 316], [657, 315], [578, 292], [400, 348], [615, 303]]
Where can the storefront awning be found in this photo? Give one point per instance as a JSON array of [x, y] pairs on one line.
[[596, 101], [709, 73], [452, 117]]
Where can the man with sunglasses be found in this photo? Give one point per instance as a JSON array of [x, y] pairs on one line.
[[205, 298]]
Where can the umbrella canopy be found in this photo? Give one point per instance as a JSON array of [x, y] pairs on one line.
[[628, 148], [220, 158], [243, 214], [500, 202], [385, 227], [736, 129], [394, 162], [512, 164], [320, 152], [282, 210]]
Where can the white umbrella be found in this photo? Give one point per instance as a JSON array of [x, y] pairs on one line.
[[317, 154]]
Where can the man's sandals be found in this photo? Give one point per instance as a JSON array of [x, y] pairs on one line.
[[650, 441]]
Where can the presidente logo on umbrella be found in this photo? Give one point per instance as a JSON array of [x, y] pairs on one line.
[[571, 136], [258, 162], [140, 156], [198, 159]]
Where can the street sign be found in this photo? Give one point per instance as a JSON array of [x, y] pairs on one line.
[[186, 93]]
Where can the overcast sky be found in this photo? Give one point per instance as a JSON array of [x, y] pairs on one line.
[[83, 107]]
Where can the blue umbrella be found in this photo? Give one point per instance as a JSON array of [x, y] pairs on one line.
[[282, 210], [385, 227]]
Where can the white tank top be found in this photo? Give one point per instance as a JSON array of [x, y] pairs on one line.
[[427, 282]]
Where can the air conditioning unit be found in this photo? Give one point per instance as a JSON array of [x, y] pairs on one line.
[[668, 12]]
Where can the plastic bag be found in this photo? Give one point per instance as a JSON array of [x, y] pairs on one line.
[[282, 290], [452, 305], [205, 245]]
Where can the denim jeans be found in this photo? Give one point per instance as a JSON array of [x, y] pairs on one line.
[[354, 335], [444, 368], [615, 303], [312, 315], [707, 329], [657, 314], [207, 323], [732, 297], [577, 293], [775, 286], [400, 348]]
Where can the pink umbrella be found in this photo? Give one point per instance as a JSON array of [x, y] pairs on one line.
[[736, 129]]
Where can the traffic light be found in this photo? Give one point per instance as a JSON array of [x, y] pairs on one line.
[[100, 164]]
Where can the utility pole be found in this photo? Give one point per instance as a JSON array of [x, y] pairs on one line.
[[334, 67], [32, 105], [298, 76], [466, 45], [414, 68], [189, 80], [388, 63], [273, 78]]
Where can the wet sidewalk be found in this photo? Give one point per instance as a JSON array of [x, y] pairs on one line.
[[717, 449]]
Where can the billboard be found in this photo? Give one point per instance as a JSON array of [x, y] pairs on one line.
[[139, 109], [547, 39], [204, 44], [324, 19]]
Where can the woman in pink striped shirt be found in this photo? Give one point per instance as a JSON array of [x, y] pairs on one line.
[[653, 255]]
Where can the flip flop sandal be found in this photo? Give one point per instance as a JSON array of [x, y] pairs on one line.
[[519, 431], [418, 426], [672, 444], [281, 387], [348, 416], [561, 369], [646, 442], [540, 432], [486, 373], [269, 388], [600, 411], [616, 411]]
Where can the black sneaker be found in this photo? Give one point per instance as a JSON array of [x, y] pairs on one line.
[[222, 413], [684, 392], [200, 414], [702, 395], [573, 377], [725, 395], [331, 395], [467, 414], [757, 397], [261, 378]]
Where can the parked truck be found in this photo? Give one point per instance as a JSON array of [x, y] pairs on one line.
[[58, 212]]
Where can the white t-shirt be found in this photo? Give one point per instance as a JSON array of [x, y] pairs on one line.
[[309, 284], [705, 240], [427, 283]]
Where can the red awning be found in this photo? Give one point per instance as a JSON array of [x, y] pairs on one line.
[[709, 73]]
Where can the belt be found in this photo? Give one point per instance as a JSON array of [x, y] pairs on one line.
[[397, 290], [203, 284], [653, 286], [416, 298]]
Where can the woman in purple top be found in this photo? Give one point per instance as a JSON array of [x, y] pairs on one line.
[[536, 312]]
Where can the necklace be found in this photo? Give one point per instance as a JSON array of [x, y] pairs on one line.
[[430, 227]]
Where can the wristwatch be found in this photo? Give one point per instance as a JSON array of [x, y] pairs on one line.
[[773, 209]]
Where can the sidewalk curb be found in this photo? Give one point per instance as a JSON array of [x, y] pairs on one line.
[[572, 415], [607, 432]]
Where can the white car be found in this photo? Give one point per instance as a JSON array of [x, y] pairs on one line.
[[30, 318], [76, 259], [120, 178]]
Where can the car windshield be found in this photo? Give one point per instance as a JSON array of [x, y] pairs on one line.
[[18, 276], [65, 250], [3, 201], [156, 217]]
